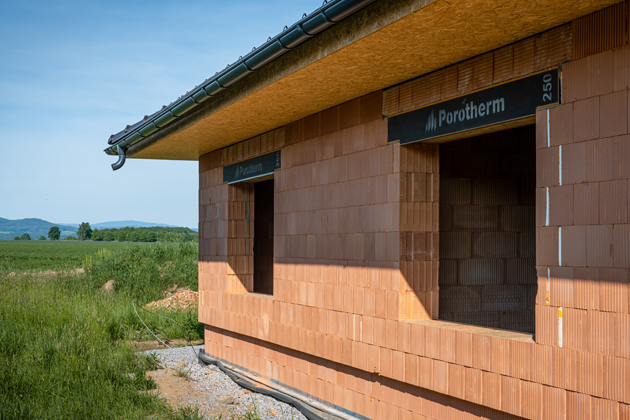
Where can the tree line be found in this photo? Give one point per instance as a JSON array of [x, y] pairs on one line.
[[146, 234], [126, 234]]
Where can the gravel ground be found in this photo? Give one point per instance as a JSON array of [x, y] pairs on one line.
[[212, 390]]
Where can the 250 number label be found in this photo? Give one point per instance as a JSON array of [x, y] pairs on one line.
[[547, 87]]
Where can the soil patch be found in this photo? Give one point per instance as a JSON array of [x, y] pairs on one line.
[[176, 299]]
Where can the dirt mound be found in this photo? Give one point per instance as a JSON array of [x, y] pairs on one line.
[[109, 286], [176, 300]]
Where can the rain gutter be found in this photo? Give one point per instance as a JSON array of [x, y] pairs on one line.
[[329, 14]]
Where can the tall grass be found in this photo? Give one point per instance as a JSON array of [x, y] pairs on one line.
[[143, 272], [57, 358], [61, 356]]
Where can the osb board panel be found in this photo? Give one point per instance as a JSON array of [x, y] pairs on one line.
[[429, 38]]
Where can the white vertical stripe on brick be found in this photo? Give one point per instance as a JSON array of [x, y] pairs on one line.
[[560, 246], [548, 285], [547, 212], [560, 165], [548, 130], [560, 327]]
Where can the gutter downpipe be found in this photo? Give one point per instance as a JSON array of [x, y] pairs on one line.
[[122, 157], [329, 14]]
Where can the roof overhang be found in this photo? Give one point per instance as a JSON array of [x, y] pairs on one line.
[[382, 45]]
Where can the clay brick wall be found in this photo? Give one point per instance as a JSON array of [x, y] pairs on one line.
[[334, 329], [487, 231]]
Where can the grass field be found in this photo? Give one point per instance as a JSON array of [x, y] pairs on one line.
[[49, 255], [64, 351]]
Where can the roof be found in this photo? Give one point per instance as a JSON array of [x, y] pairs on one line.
[[375, 45], [330, 13]]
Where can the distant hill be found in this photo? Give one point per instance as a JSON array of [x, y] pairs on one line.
[[34, 227], [39, 227]]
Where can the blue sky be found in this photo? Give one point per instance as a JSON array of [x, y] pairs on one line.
[[72, 73]]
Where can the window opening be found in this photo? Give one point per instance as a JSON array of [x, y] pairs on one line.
[[263, 236], [487, 273]]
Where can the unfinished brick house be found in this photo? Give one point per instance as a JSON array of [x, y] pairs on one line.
[[418, 209]]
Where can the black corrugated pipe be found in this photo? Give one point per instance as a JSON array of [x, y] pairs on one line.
[[321, 19], [265, 391]]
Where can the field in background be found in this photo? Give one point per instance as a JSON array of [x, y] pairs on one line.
[[65, 347], [48, 255]]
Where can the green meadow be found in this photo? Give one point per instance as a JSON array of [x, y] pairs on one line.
[[66, 346], [49, 255]]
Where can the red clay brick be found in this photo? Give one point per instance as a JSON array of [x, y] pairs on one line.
[[503, 64], [440, 376], [613, 202], [411, 369], [586, 204], [561, 124], [523, 57], [547, 167], [370, 107], [574, 246], [599, 160], [293, 133], [491, 390], [613, 109], [574, 163], [449, 82], [604, 409], [473, 385], [578, 406], [599, 246], [349, 114], [574, 77], [600, 74], [547, 246], [613, 290], [329, 120], [311, 126], [561, 205], [531, 400], [425, 372], [621, 157], [621, 245], [622, 68], [553, 403], [511, 395], [586, 119]]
